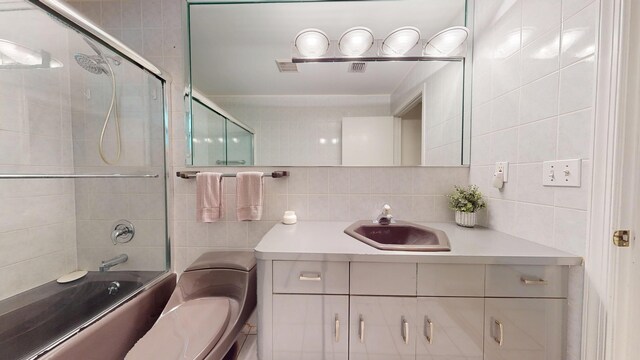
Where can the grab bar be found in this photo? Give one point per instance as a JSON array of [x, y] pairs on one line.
[[75, 176]]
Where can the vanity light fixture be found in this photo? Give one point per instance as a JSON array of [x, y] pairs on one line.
[[400, 41], [446, 41], [356, 41], [312, 43]]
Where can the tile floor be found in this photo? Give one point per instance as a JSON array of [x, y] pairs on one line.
[[248, 340]]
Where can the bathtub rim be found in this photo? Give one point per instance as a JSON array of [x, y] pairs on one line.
[[165, 274]]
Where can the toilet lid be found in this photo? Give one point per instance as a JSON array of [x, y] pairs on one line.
[[188, 331]]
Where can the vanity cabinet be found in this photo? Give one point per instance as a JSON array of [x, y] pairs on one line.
[[525, 314], [408, 311], [449, 328], [382, 328], [524, 329], [310, 327]]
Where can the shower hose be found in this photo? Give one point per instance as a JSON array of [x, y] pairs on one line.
[[113, 108]]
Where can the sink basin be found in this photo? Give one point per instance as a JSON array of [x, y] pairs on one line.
[[400, 235]]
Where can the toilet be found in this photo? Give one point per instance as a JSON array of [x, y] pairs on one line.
[[211, 303]]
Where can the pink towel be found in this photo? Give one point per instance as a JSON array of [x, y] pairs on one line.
[[209, 197], [249, 195]]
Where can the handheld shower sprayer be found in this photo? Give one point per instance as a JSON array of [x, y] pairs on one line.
[[100, 64]]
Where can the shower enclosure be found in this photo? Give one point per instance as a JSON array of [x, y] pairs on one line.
[[83, 133]]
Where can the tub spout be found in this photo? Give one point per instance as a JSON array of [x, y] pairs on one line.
[[108, 264]]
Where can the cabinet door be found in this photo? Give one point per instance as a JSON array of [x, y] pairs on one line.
[[449, 328], [524, 329], [382, 328], [310, 327]]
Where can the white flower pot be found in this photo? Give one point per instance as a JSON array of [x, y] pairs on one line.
[[466, 219]]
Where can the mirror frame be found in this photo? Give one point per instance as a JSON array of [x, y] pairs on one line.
[[467, 61]]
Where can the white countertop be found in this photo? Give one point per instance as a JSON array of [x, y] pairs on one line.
[[326, 241]]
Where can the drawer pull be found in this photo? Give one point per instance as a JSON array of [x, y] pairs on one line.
[[527, 281], [428, 330], [337, 328], [500, 337], [361, 330], [405, 330], [310, 277]]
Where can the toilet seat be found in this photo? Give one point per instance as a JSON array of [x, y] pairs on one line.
[[188, 331]]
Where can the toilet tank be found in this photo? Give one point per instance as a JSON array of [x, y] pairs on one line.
[[225, 273]]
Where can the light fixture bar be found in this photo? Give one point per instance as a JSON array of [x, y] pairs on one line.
[[302, 60]]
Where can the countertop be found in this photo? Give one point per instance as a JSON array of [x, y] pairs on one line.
[[326, 241]]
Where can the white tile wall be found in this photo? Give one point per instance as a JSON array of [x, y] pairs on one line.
[[101, 202], [37, 217], [289, 128], [441, 85], [542, 67], [315, 193], [533, 98]]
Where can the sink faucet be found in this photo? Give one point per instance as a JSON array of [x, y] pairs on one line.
[[385, 217], [108, 264]]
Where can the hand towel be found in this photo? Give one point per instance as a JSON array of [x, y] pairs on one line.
[[249, 195], [209, 195]]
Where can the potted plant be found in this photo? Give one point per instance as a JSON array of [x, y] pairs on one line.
[[466, 201]]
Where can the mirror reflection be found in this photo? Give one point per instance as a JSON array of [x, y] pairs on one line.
[[356, 83]]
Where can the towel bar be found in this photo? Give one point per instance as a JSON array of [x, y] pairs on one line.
[[192, 174]]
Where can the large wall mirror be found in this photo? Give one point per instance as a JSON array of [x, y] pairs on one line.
[[329, 83]]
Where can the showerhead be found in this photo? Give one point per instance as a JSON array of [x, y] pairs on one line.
[[91, 63], [94, 47]]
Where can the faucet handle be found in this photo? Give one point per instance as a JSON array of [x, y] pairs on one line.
[[386, 209]]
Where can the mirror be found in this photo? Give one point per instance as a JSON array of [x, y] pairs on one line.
[[271, 84]]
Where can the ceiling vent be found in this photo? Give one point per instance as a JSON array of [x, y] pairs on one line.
[[286, 66], [357, 67]]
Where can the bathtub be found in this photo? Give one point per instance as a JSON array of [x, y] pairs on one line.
[[33, 322]]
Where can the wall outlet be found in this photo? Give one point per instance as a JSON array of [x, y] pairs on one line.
[[504, 167], [562, 173]]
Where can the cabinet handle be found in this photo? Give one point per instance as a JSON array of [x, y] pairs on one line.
[[405, 330], [337, 328], [361, 330], [500, 336], [310, 277], [527, 281], [428, 330]]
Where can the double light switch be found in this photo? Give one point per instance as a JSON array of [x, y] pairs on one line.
[[562, 173]]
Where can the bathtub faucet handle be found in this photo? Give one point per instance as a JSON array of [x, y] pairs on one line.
[[123, 232]]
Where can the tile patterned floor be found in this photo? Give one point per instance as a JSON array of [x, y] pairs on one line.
[[248, 340]]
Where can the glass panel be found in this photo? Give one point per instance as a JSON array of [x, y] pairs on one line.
[[69, 105], [239, 145], [208, 136]]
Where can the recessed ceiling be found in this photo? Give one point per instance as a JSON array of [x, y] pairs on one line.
[[234, 46]]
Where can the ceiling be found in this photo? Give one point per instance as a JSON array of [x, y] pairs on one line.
[[234, 46]]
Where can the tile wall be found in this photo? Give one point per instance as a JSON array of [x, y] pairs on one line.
[[141, 26], [315, 193], [440, 85], [286, 125], [533, 98], [443, 115], [37, 226]]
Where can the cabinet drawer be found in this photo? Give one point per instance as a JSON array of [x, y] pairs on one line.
[[450, 280], [310, 277], [383, 279], [526, 281]]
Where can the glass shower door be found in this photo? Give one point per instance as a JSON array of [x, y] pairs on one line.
[[239, 145]]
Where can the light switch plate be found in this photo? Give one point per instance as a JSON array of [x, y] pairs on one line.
[[504, 167], [562, 173]]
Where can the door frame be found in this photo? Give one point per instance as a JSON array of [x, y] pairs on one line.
[[612, 189]]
